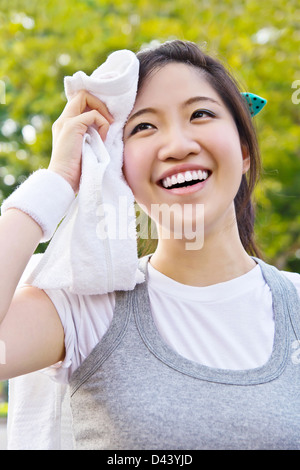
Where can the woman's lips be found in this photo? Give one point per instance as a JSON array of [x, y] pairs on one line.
[[184, 179], [182, 168], [186, 189]]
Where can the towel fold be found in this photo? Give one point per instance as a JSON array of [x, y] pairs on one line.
[[94, 249]]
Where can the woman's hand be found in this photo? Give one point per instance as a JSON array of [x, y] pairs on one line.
[[82, 111]]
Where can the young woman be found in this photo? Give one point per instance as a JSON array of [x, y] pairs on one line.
[[201, 355]]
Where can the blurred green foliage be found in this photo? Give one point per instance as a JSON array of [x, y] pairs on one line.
[[42, 41], [3, 395]]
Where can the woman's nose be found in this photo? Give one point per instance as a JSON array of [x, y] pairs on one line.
[[178, 144]]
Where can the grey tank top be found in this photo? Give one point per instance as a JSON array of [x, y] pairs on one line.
[[135, 392]]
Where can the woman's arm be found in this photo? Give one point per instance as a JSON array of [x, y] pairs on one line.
[[31, 334]]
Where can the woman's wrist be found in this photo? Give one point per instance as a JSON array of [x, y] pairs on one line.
[[45, 196], [61, 171]]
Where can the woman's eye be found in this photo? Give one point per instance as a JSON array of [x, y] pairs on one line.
[[202, 113], [143, 126]]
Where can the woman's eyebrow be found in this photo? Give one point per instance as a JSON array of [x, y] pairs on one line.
[[195, 99], [140, 112]]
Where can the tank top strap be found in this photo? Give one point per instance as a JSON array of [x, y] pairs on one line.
[[281, 286]]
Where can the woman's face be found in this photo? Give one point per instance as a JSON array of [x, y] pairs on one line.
[[181, 146]]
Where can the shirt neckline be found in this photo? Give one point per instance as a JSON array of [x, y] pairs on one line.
[[214, 293], [265, 373]]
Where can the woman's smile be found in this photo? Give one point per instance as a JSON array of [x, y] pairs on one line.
[[183, 176]]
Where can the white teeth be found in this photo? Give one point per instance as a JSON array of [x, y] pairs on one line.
[[186, 176], [174, 179], [180, 178]]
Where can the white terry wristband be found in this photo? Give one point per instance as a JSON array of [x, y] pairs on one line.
[[45, 196]]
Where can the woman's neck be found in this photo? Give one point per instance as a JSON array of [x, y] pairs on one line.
[[221, 259]]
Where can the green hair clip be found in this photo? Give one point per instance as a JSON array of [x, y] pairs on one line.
[[255, 102]]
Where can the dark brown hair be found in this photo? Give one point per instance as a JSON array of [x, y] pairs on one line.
[[228, 89]]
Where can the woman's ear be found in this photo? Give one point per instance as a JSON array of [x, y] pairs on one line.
[[246, 158]]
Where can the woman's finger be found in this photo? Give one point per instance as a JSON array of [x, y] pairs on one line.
[[87, 119], [84, 101]]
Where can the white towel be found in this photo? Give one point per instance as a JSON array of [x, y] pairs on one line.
[[94, 250], [39, 414]]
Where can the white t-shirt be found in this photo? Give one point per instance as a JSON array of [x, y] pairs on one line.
[[228, 325]]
